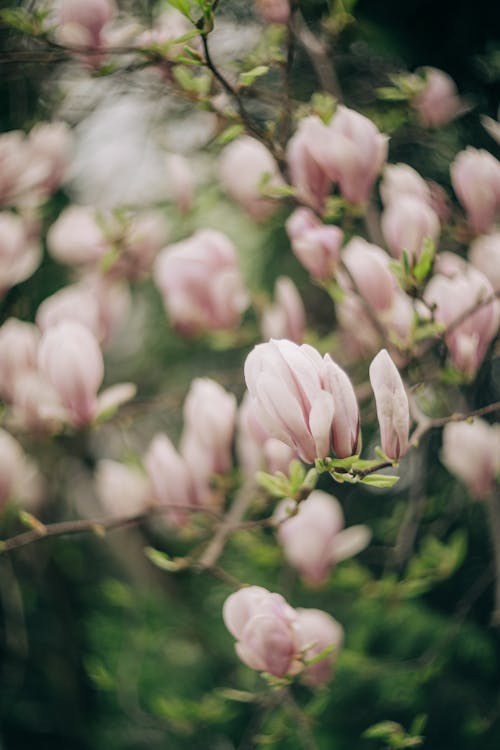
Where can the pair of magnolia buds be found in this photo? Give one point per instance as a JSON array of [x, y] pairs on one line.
[[308, 402]]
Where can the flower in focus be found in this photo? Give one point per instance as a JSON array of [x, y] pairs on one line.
[[393, 410]]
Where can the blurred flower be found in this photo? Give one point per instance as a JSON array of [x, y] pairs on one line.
[[406, 223], [201, 283], [401, 179], [472, 453], [20, 479], [307, 175], [77, 237], [393, 410], [181, 181], [122, 490], [170, 478], [475, 175], [317, 632], [484, 254], [81, 24], [286, 317], [256, 448], [273, 11], [437, 103], [18, 353], [20, 255], [314, 539], [316, 245]]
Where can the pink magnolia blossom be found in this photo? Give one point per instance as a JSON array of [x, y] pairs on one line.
[[401, 179], [256, 448], [170, 478], [18, 353], [453, 297], [81, 24], [53, 143], [307, 175], [201, 283], [317, 632], [303, 400], [406, 223], [73, 302], [20, 255], [351, 151], [144, 235], [472, 453], [244, 165], [484, 254], [368, 266], [316, 245], [21, 170], [393, 410], [438, 102], [286, 317], [475, 175], [314, 539], [20, 479], [181, 181], [122, 490], [78, 237], [36, 406], [273, 11]]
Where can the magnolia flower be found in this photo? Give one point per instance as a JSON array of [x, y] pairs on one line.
[[20, 479], [78, 237], [256, 448], [272, 637], [181, 181], [18, 353], [307, 175], [53, 143], [368, 266], [81, 24], [303, 400], [351, 152], [456, 296], [316, 245], [286, 318], [484, 254], [20, 255], [314, 540], [170, 477], [472, 453], [123, 490], [407, 223], [475, 175], [401, 179], [437, 103], [201, 283], [273, 11], [244, 166], [393, 410], [73, 302]]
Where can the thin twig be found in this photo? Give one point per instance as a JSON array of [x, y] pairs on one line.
[[425, 423], [231, 523], [318, 54]]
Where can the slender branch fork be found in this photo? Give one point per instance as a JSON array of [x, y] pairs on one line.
[[425, 423]]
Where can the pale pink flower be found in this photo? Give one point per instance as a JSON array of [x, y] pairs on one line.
[[181, 181], [20, 171], [122, 490], [307, 175], [264, 626], [144, 235], [303, 400], [453, 297], [53, 143], [201, 283], [316, 245], [351, 151], [81, 25], [78, 237], [244, 166], [36, 406], [475, 175], [370, 275], [170, 477], [73, 302], [314, 539], [472, 453], [401, 179], [393, 410], [256, 448], [406, 223], [317, 632], [20, 479], [286, 317], [18, 353], [484, 254], [438, 102], [20, 255], [273, 11]]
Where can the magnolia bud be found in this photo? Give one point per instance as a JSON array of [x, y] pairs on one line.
[[18, 353], [77, 237], [401, 179], [306, 174], [472, 453], [317, 632], [170, 477], [286, 318], [438, 102], [484, 254], [475, 175], [393, 410], [406, 224], [316, 245], [122, 490], [20, 256]]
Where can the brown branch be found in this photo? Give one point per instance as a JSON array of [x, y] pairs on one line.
[[425, 423], [318, 54], [230, 524]]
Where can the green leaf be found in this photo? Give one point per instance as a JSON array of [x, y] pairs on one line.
[[424, 265], [229, 134], [250, 76], [383, 481], [277, 485], [183, 7]]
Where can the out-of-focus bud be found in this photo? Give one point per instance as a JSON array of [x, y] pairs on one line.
[[170, 478], [368, 266], [81, 23], [475, 175], [36, 406], [401, 179], [18, 353], [317, 632], [472, 453], [70, 358], [20, 479], [145, 235], [181, 181], [20, 255], [452, 298], [245, 166], [122, 490], [303, 400], [263, 624], [484, 254], [77, 237], [286, 318], [209, 421], [316, 245], [20, 172], [53, 142], [438, 102], [273, 11], [406, 223], [306, 174], [351, 151], [201, 283], [393, 410], [74, 302], [314, 539]]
